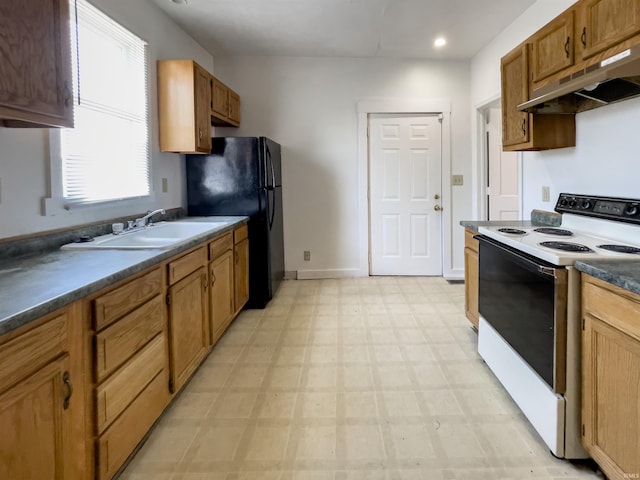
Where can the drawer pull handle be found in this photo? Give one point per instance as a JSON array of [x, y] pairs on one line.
[[66, 379], [205, 283], [524, 126], [566, 47], [213, 278], [583, 37], [237, 257]]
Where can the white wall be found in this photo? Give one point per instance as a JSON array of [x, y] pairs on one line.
[[24, 153], [309, 106], [604, 161]]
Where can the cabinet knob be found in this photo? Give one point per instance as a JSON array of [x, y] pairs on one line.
[[66, 379]]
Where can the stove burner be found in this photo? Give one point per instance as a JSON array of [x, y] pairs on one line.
[[619, 248], [566, 246], [512, 231], [554, 231]]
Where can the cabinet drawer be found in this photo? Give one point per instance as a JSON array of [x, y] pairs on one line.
[[118, 441], [183, 266], [116, 344], [240, 233], [470, 242], [25, 354], [220, 245], [615, 306], [117, 392], [113, 305]]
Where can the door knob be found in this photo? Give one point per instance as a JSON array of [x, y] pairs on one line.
[[437, 208]]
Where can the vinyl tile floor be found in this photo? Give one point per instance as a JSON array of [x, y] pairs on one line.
[[352, 379]]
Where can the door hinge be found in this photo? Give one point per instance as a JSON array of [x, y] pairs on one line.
[[171, 385], [583, 429], [168, 299], [440, 117], [583, 324]]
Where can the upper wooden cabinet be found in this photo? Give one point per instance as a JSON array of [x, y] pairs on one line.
[[525, 131], [35, 85], [225, 104], [606, 23], [552, 47], [184, 99]]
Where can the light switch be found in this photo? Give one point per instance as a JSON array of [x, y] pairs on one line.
[[545, 194], [457, 180]]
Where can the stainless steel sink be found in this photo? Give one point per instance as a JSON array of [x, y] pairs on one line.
[[158, 236]]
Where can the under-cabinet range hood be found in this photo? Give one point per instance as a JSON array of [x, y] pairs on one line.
[[611, 80]]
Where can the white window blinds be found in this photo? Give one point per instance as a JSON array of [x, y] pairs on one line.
[[106, 156]]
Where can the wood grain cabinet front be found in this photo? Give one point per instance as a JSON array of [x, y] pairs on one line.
[[611, 377], [225, 104], [523, 131], [36, 86], [603, 24], [221, 293], [184, 107], [471, 265], [42, 402], [129, 361], [553, 47], [241, 266], [188, 302]]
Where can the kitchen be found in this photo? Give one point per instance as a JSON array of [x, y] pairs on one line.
[[330, 88]]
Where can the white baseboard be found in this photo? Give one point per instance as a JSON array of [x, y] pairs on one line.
[[290, 275], [454, 274], [329, 273]]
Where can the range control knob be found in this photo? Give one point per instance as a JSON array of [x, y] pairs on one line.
[[572, 202], [563, 201], [631, 210], [586, 204]]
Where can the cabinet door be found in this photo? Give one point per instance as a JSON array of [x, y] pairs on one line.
[[220, 99], [515, 90], [35, 425], [606, 23], [471, 278], [202, 106], [610, 411], [221, 294], [35, 85], [241, 273], [552, 47], [234, 107], [188, 326]]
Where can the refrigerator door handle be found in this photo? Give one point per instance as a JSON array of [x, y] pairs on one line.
[[273, 172], [273, 208]]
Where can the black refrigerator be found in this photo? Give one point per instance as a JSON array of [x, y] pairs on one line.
[[242, 176]]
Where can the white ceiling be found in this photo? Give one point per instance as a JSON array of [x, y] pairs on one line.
[[344, 28]]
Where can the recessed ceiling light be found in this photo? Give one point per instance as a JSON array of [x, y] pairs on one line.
[[439, 42]]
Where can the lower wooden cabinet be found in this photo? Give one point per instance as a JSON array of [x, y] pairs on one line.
[[611, 378], [188, 316], [129, 364], [471, 277], [41, 401], [221, 304], [241, 267]]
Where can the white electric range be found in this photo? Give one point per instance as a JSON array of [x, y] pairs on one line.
[[529, 303]]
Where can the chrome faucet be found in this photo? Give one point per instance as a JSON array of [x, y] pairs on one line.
[[142, 222]]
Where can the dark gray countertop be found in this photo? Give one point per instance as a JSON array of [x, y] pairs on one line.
[[474, 224], [35, 285], [623, 273]]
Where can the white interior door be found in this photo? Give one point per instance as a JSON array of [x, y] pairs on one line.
[[405, 169], [503, 189]]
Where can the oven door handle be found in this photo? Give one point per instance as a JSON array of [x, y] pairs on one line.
[[530, 262]]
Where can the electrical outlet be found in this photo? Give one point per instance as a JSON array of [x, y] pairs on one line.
[[307, 255], [457, 180], [165, 185], [545, 194]]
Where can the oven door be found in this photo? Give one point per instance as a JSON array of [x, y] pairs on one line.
[[524, 299]]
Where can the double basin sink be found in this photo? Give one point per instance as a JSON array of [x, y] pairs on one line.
[[160, 235]]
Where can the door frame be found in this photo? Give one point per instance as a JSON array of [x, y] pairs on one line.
[[401, 106], [480, 185]]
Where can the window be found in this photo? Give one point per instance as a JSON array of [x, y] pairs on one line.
[[106, 156]]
